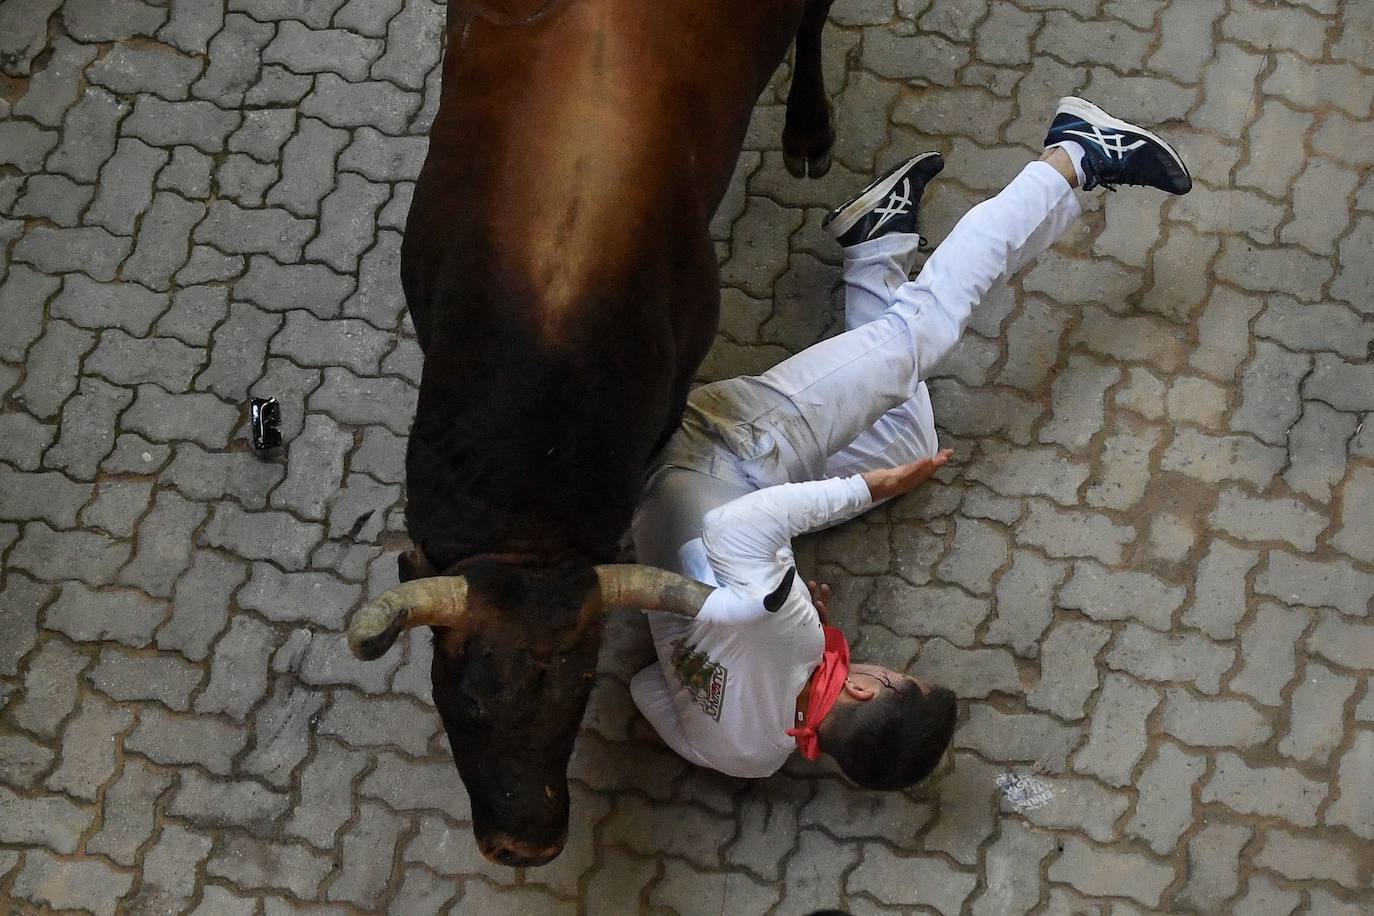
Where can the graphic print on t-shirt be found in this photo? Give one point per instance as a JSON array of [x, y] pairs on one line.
[[703, 678]]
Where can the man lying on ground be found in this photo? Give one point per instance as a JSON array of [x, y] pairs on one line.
[[823, 437]]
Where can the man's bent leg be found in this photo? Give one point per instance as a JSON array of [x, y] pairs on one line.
[[785, 424], [873, 272]]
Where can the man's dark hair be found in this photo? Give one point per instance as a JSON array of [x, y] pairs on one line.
[[893, 740]]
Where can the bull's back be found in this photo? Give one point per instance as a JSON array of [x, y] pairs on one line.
[[557, 259]]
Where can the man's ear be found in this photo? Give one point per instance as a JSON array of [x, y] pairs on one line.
[[862, 694]]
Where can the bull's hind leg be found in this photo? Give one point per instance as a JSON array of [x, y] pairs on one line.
[[808, 136]]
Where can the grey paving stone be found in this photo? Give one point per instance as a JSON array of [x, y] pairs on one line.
[[1264, 896], [393, 215], [23, 440], [210, 743], [979, 550], [358, 512], [1317, 445], [238, 671], [347, 222], [1352, 809], [206, 265], [1316, 584], [46, 820], [284, 724], [238, 351], [929, 881], [56, 555], [46, 495], [124, 677], [326, 786], [1093, 870], [1284, 270], [235, 56], [381, 454], [1069, 533], [245, 180], [23, 33], [1224, 333], [315, 466], [1307, 857], [308, 167], [1017, 737], [1267, 649], [1256, 519], [23, 293], [200, 606], [127, 360], [1164, 806], [1076, 804], [187, 173], [1069, 674], [216, 901], [164, 240], [205, 475], [1269, 791], [100, 305], [23, 761], [80, 884], [350, 342], [274, 536], [126, 70], [312, 13], [1024, 606], [307, 50], [120, 615], [256, 865], [192, 24], [1116, 734], [25, 145], [378, 298], [263, 132], [236, 230], [291, 385], [414, 40], [165, 544], [381, 105], [89, 743], [88, 136], [1269, 402], [1153, 656], [366, 851], [1316, 723], [277, 85], [365, 401], [1124, 472], [87, 249], [1013, 882], [194, 416], [1214, 723], [135, 455], [367, 17], [378, 721], [270, 285], [129, 812], [1136, 338], [933, 610], [54, 197], [968, 672], [49, 696], [170, 867], [1357, 528], [1212, 459], [1130, 595], [1343, 641], [384, 159], [1214, 865], [1028, 472]]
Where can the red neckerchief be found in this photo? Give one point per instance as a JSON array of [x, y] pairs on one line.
[[826, 683]]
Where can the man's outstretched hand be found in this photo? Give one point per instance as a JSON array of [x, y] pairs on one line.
[[889, 482]]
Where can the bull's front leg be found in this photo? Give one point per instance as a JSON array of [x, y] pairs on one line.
[[808, 135]]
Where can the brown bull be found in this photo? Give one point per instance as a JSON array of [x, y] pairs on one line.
[[563, 283]]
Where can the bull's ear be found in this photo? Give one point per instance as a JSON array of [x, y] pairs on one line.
[[413, 564], [774, 599]]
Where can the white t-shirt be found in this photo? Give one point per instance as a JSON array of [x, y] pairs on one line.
[[724, 691]]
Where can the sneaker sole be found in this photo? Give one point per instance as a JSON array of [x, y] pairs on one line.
[[1082, 108], [841, 221]]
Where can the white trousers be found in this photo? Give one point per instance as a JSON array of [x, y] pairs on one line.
[[856, 401]]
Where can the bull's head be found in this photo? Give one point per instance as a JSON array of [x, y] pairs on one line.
[[511, 686]]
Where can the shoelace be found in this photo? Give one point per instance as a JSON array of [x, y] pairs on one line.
[[1093, 178]]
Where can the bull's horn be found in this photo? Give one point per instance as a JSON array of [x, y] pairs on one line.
[[630, 585], [437, 601]]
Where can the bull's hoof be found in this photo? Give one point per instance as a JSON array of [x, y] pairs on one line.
[[803, 166]]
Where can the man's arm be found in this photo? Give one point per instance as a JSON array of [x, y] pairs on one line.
[[743, 537]]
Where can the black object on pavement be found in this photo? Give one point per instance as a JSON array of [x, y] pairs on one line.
[[265, 416]]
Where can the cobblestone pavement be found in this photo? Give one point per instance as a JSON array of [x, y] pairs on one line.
[[1148, 574]]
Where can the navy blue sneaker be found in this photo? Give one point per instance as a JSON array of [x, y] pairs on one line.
[[887, 205], [1117, 151]]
